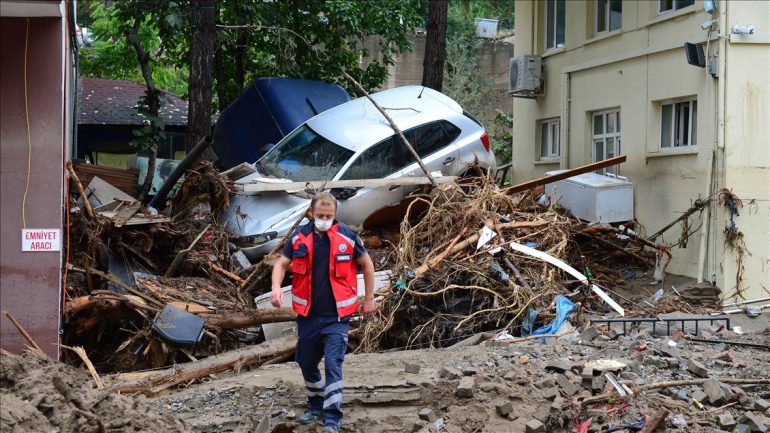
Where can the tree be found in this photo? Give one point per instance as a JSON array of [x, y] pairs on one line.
[[202, 42], [435, 45]]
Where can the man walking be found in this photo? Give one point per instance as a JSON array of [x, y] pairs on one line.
[[323, 257]]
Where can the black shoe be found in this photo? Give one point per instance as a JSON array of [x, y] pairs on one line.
[[310, 416]]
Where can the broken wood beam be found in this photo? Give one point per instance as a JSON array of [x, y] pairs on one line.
[[253, 318], [81, 191], [224, 272], [657, 421], [118, 282], [156, 382], [180, 256], [23, 332], [257, 186], [565, 175]]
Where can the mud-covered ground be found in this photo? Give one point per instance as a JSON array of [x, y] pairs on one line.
[[39, 395], [522, 380]]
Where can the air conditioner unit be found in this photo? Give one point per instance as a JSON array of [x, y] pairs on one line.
[[525, 76]]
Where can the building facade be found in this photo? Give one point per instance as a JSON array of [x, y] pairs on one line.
[[37, 79], [617, 82]]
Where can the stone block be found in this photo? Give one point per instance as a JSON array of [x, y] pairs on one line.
[[589, 334], [545, 383], [411, 368], [535, 426], [504, 409], [697, 368], [756, 422], [726, 421], [465, 388], [427, 415], [558, 367], [569, 387], [714, 391], [450, 373], [761, 405]]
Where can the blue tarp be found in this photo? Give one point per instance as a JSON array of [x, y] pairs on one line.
[[564, 308], [266, 111]]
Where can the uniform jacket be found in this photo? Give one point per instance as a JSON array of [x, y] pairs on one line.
[[342, 269]]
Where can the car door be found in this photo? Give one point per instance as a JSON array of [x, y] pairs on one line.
[[385, 159], [435, 144]]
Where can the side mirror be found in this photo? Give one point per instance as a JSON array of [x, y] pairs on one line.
[[343, 193]]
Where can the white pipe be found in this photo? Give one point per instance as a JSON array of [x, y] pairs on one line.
[[564, 134], [721, 107]]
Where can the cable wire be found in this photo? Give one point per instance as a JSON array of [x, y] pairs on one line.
[[29, 135]]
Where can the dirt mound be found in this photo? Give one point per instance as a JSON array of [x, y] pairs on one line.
[[39, 395]]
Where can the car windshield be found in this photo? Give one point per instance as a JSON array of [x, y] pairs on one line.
[[304, 156]]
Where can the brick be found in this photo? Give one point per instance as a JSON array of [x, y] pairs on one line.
[[535, 426], [523, 360], [756, 422], [427, 415], [697, 368], [465, 388], [727, 356], [411, 368], [550, 393], [470, 371], [558, 404], [545, 383], [726, 421], [450, 373], [569, 387], [504, 409], [761, 405], [714, 391]]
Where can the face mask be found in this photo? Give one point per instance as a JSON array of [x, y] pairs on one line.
[[323, 225]]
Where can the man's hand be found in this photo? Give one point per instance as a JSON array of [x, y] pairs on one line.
[[276, 297], [369, 308]]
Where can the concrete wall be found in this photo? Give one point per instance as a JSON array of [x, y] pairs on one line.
[[636, 68], [493, 61], [30, 286]]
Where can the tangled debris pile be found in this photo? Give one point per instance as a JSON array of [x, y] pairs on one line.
[[458, 274], [40, 395], [128, 264]]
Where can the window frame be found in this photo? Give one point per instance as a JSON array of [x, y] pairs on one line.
[[607, 17], [675, 6], [555, 23], [675, 135], [604, 135], [551, 154]]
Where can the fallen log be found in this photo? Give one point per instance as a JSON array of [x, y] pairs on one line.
[[218, 269], [253, 318], [161, 380]]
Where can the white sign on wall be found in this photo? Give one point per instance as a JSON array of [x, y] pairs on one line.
[[37, 240]]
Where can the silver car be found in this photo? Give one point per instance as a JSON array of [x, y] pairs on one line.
[[354, 141]]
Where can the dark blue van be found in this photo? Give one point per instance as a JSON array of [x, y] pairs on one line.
[[265, 112]]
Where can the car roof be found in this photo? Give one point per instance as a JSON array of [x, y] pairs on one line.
[[357, 124]]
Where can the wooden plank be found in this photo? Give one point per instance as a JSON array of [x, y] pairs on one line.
[[257, 186], [126, 213], [565, 175]]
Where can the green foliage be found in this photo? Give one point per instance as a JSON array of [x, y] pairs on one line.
[[112, 57], [501, 139], [152, 132]]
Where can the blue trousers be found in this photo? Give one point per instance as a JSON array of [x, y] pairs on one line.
[[323, 336]]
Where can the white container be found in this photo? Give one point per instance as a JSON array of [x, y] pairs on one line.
[[486, 28], [593, 197]]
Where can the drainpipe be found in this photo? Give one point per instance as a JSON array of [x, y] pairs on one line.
[[565, 105]]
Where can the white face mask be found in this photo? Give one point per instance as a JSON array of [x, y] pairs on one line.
[[323, 225]]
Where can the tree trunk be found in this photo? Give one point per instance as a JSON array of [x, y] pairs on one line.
[[435, 45], [219, 74], [202, 45], [152, 99]]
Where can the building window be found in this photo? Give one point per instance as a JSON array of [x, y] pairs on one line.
[[606, 137], [673, 5], [554, 24], [678, 126], [607, 15], [549, 139]]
